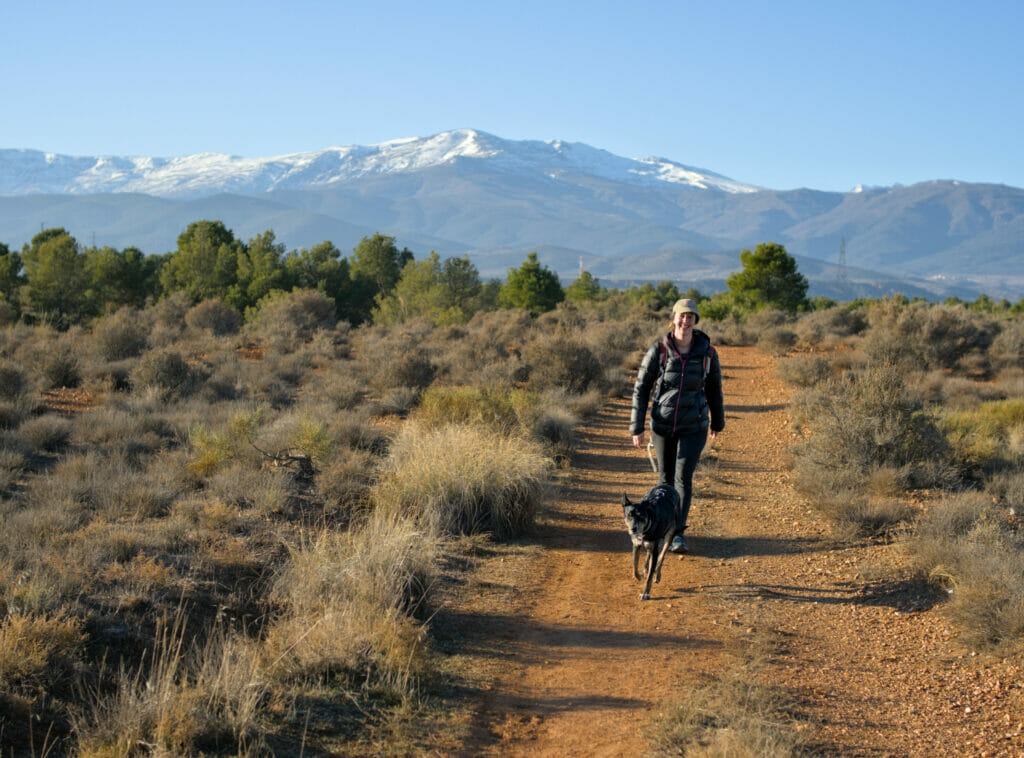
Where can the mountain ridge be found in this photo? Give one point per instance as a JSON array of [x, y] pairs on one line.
[[469, 192]]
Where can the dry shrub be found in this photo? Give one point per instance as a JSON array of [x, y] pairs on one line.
[[827, 328], [776, 340], [61, 367], [213, 316], [121, 335], [563, 362], [37, 650], [489, 406], [804, 370], [49, 432], [1008, 488], [919, 335], [344, 482], [13, 461], [339, 386], [729, 331], [284, 321], [465, 478], [191, 701], [166, 372], [974, 551], [856, 427], [988, 438], [14, 381], [239, 484], [1007, 349], [348, 600], [854, 515]]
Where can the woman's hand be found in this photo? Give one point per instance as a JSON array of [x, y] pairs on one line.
[[638, 440]]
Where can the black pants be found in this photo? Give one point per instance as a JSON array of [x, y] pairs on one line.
[[677, 460]]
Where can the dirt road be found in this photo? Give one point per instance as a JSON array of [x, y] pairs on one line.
[[580, 665]]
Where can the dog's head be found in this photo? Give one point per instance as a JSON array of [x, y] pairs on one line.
[[637, 517]]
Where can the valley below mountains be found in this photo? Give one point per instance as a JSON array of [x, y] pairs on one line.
[[467, 192]]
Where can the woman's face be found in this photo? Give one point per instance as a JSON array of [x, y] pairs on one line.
[[684, 321]]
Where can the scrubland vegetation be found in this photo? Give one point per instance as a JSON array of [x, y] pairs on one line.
[[227, 534], [231, 480], [913, 430]]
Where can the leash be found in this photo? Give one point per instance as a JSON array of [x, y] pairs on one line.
[[650, 456]]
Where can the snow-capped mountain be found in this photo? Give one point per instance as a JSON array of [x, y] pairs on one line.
[[466, 192], [25, 172]]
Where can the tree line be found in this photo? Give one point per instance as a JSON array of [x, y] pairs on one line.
[[55, 280]]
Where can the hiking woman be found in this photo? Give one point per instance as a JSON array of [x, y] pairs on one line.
[[682, 378]]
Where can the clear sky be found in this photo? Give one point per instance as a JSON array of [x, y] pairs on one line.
[[782, 94]]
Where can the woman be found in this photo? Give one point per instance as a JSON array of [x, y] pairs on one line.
[[682, 371]]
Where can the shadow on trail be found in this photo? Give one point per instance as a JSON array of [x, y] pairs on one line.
[[908, 596], [586, 539], [527, 642], [732, 547], [755, 408]]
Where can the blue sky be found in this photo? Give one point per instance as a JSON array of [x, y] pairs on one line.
[[780, 94]]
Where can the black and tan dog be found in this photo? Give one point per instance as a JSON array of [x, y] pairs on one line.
[[652, 524]]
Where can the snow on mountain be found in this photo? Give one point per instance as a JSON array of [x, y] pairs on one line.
[[26, 172]]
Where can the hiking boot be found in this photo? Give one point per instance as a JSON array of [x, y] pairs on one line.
[[678, 545]]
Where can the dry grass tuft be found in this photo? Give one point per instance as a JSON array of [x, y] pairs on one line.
[[465, 478]]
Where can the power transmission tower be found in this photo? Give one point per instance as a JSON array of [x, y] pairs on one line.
[[841, 275]]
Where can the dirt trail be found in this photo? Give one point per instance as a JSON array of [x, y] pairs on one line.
[[580, 664]]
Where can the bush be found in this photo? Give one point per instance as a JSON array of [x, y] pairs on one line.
[[468, 405], [989, 437], [804, 370], [164, 370], [825, 328], [562, 362], [120, 335], [48, 432], [776, 340], [14, 381], [919, 335], [465, 478], [61, 368], [288, 319], [213, 316], [1007, 348], [858, 425], [347, 600], [970, 548]]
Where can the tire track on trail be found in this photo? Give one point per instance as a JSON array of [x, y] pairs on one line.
[[582, 663]]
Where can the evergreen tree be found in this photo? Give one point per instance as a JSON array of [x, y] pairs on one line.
[[118, 278], [260, 271], [585, 287], [205, 264], [769, 279], [532, 286], [55, 278], [11, 277], [322, 268]]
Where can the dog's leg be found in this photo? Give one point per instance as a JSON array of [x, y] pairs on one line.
[[636, 562], [664, 549], [646, 594]]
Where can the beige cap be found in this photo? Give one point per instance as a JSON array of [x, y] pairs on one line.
[[686, 306]]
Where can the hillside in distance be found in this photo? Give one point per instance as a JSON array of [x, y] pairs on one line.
[[469, 192]]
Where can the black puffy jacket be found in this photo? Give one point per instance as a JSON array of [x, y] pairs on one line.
[[686, 398]]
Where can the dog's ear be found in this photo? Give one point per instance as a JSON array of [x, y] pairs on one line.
[[625, 500]]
